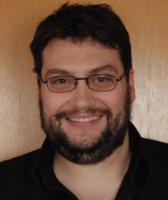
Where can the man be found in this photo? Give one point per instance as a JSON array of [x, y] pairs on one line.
[[82, 56]]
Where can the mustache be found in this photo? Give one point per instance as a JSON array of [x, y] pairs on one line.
[[89, 110]]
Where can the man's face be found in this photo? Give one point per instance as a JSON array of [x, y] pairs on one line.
[[85, 126]]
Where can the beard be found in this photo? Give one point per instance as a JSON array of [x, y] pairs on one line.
[[111, 137]]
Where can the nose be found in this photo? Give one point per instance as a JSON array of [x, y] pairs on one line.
[[82, 96]]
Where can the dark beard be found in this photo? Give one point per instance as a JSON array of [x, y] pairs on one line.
[[111, 137]]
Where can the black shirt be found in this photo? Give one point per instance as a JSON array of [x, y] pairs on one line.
[[31, 176]]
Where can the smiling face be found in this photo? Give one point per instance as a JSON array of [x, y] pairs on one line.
[[86, 126]]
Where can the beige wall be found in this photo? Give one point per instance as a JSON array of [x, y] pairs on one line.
[[147, 22]]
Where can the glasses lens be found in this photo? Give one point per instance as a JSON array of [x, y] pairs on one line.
[[102, 82], [61, 83]]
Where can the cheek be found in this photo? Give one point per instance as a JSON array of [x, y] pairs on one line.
[[113, 103], [115, 100], [50, 102]]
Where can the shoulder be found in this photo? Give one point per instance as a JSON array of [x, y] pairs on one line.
[[15, 171], [157, 154], [155, 149]]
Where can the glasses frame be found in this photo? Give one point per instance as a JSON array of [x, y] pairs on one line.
[[86, 79]]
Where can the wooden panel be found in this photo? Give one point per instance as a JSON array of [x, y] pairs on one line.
[[147, 22]]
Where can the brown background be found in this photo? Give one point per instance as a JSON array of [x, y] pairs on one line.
[[147, 22]]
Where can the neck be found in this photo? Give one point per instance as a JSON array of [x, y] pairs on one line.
[[108, 172]]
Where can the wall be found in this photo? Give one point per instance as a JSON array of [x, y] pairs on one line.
[[147, 22]]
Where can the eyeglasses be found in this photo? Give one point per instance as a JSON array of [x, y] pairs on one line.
[[67, 83]]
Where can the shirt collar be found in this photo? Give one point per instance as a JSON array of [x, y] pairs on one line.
[[140, 158], [139, 168]]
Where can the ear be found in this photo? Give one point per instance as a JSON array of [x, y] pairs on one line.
[[131, 85]]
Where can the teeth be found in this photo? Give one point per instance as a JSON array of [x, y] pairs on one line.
[[83, 119]]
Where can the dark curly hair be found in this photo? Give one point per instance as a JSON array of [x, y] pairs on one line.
[[79, 22]]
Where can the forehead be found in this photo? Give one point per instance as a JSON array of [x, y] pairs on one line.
[[80, 58]]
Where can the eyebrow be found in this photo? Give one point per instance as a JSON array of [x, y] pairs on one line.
[[93, 71], [104, 67], [57, 71]]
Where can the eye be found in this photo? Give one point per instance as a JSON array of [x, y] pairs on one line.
[[102, 78], [57, 80]]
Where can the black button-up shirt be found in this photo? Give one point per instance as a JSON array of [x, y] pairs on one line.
[[134, 179], [31, 176]]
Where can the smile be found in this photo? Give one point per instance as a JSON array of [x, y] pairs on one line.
[[85, 119]]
